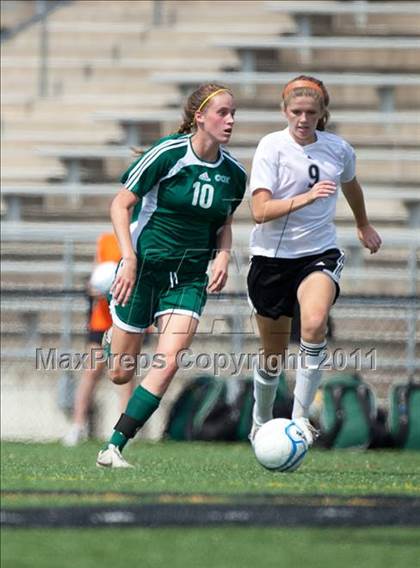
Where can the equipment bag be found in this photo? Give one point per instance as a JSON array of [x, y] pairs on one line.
[[202, 412], [404, 415], [213, 418], [348, 414], [181, 418], [206, 409]]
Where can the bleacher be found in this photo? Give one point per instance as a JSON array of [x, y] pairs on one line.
[[118, 79]]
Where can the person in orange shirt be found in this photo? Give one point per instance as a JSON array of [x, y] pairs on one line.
[[99, 321]]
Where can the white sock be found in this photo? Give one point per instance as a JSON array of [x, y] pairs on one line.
[[265, 388], [308, 377]]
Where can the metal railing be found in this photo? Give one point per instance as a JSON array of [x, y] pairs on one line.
[[384, 324]]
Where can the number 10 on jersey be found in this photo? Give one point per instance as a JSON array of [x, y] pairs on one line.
[[203, 195]]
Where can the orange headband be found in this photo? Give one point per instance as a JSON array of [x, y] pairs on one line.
[[301, 84]]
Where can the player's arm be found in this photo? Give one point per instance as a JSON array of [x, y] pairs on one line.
[[219, 269], [367, 234], [121, 208], [265, 208]]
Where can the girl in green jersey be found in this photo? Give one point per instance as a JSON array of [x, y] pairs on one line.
[[189, 186]]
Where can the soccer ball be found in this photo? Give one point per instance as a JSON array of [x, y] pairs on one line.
[[280, 445], [103, 276]]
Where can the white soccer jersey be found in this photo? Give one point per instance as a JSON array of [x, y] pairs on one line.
[[286, 168]]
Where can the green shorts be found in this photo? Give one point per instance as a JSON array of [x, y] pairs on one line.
[[159, 292]]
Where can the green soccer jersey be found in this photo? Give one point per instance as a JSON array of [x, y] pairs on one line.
[[185, 202]]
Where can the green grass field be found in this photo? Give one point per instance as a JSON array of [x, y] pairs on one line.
[[212, 548], [194, 468], [206, 467]]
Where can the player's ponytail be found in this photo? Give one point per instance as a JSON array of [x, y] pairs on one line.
[[305, 85], [198, 101]]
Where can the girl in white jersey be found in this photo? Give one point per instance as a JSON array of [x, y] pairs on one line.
[[294, 182], [189, 186]]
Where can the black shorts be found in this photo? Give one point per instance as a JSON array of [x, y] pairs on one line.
[[273, 282]]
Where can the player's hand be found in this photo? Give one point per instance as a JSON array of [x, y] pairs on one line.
[[219, 272], [369, 238], [324, 188], [125, 279]]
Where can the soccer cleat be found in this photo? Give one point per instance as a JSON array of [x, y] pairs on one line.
[[309, 431], [111, 457], [75, 436], [106, 342], [254, 429]]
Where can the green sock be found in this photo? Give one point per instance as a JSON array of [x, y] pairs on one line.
[[141, 406], [118, 439]]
